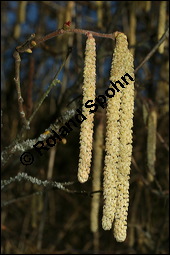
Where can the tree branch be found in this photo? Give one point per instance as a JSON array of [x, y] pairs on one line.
[[74, 30], [34, 180], [17, 146], [21, 146], [165, 35], [53, 83], [18, 88]]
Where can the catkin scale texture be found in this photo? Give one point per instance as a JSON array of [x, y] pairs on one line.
[[86, 132], [125, 144], [118, 142], [112, 140]]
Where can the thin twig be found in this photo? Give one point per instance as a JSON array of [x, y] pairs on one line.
[[53, 83], [42, 223], [18, 88], [31, 42], [69, 114], [49, 185], [25, 47], [29, 101], [22, 146], [74, 30], [18, 199], [162, 141], [46, 199], [165, 35], [34, 180]]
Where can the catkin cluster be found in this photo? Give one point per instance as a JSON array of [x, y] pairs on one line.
[[118, 143], [86, 132]]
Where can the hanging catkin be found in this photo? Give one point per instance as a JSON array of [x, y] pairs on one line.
[[96, 179], [151, 144], [125, 145], [112, 138], [86, 132], [162, 24], [118, 142]]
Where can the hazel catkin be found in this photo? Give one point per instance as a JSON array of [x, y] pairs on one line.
[[86, 132], [118, 142], [125, 142]]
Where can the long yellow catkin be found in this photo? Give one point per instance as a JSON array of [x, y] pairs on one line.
[[151, 144], [86, 132], [112, 137], [125, 145], [96, 179], [162, 24]]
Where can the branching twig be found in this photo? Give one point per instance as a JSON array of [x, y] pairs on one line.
[[24, 176], [74, 30], [18, 147], [18, 88], [31, 42], [25, 47], [18, 199], [37, 193], [49, 185]]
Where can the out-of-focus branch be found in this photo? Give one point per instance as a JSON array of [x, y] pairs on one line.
[[53, 83], [29, 101], [165, 36], [162, 141], [47, 184], [21, 146], [34, 180], [74, 30], [17, 147]]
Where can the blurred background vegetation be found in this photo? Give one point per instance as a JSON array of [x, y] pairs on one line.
[[58, 222]]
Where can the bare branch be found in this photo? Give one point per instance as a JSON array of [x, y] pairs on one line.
[[24, 176], [53, 83], [165, 36], [18, 88]]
